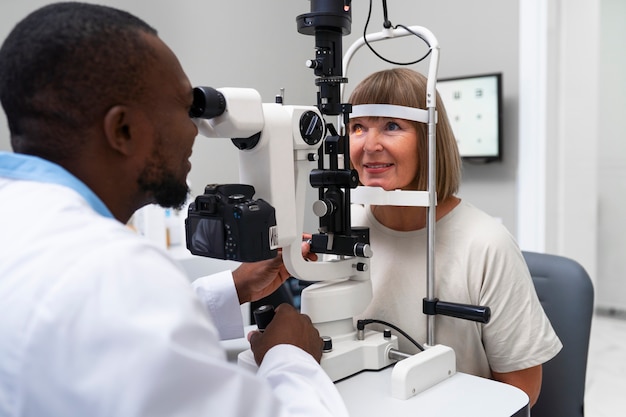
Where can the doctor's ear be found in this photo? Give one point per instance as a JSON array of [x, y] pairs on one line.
[[122, 127]]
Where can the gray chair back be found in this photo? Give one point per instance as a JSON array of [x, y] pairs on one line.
[[566, 294]]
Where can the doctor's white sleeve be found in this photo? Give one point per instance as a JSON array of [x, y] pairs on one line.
[[218, 295], [293, 374]]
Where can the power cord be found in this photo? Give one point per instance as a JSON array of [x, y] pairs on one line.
[[387, 24], [360, 325]]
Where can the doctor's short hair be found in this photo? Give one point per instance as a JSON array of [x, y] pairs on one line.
[[63, 67], [405, 87]]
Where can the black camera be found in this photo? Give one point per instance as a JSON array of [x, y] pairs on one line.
[[227, 223]]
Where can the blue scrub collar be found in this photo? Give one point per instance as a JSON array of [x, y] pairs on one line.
[[32, 168]]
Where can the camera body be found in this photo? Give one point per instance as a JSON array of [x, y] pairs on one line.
[[227, 223]]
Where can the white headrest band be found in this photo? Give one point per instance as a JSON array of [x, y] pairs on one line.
[[390, 110]]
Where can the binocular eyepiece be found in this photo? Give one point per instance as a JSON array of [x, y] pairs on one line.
[[207, 103]]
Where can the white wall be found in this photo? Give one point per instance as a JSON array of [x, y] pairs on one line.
[[562, 144], [611, 288]]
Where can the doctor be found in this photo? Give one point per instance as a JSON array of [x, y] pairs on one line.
[[96, 321]]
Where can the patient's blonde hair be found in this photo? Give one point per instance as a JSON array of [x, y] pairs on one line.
[[405, 87]]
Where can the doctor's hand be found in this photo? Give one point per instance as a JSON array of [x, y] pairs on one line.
[[255, 280], [287, 327]]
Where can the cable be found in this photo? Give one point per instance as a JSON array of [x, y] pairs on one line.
[[362, 323], [387, 24]]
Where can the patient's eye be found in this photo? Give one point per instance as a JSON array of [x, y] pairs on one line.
[[357, 129], [392, 126]]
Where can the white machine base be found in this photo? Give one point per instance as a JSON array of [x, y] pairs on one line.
[[416, 374], [348, 356]]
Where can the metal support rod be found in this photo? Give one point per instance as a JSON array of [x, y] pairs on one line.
[[432, 218], [395, 354]]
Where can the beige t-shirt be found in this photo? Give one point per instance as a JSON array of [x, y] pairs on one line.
[[477, 262]]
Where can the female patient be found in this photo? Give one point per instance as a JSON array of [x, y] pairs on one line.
[[477, 261]]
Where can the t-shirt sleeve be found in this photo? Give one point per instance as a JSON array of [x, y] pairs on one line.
[[519, 334]]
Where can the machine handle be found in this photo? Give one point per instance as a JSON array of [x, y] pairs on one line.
[[479, 314]]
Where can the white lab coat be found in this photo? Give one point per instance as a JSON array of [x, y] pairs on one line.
[[96, 321]]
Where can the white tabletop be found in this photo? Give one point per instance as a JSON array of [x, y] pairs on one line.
[[369, 394]]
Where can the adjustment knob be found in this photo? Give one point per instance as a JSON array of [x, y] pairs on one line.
[[361, 266], [311, 127], [236, 198], [263, 315], [323, 208], [328, 344], [311, 63], [364, 250]]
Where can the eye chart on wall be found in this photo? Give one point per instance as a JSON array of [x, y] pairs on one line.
[[473, 105]]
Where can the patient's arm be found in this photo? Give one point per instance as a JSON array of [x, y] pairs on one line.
[[528, 380]]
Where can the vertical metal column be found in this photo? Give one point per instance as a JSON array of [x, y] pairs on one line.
[[431, 220]]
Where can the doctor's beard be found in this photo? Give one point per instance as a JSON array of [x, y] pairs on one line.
[[166, 188]]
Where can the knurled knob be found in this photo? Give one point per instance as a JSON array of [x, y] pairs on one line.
[[263, 315]]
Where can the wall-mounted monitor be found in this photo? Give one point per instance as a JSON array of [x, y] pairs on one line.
[[474, 107]]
